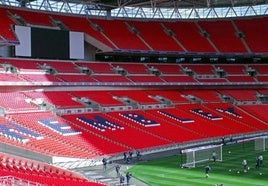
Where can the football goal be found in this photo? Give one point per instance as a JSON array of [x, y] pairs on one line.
[[202, 154], [260, 144]]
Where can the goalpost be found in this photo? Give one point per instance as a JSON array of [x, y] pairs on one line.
[[201, 154], [259, 143]]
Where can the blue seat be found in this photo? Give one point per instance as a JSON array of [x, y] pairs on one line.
[[140, 119], [206, 114], [182, 120], [60, 128]]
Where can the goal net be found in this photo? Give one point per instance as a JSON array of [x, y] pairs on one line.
[[260, 144], [202, 154]]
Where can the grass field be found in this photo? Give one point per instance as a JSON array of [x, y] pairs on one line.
[[168, 172]]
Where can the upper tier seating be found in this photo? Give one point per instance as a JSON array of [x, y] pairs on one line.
[[249, 28], [163, 42], [217, 30], [178, 36], [84, 26], [6, 34], [42, 19], [127, 40], [189, 36]]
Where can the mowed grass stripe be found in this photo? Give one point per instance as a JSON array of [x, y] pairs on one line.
[[167, 171]]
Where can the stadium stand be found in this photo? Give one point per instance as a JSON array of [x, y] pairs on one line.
[[166, 68], [189, 36], [7, 34], [38, 173], [92, 30], [97, 67], [247, 27], [129, 39], [224, 28], [164, 41], [57, 116]]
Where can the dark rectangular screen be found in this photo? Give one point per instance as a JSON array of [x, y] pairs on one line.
[[50, 44]]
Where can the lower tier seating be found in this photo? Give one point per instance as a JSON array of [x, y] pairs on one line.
[[40, 173]]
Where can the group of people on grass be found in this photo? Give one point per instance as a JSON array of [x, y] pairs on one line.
[[259, 163]]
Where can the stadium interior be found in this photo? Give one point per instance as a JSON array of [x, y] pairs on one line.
[[77, 88]]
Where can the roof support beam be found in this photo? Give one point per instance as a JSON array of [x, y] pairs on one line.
[[174, 9]]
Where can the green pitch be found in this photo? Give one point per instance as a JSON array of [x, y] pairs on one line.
[[229, 172]]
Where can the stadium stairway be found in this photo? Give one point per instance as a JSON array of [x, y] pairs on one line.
[[108, 176]]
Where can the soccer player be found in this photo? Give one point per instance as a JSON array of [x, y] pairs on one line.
[[207, 169], [245, 165], [214, 156], [257, 162], [261, 160]]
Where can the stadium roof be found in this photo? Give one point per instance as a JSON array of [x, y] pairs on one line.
[[110, 4], [149, 9]]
